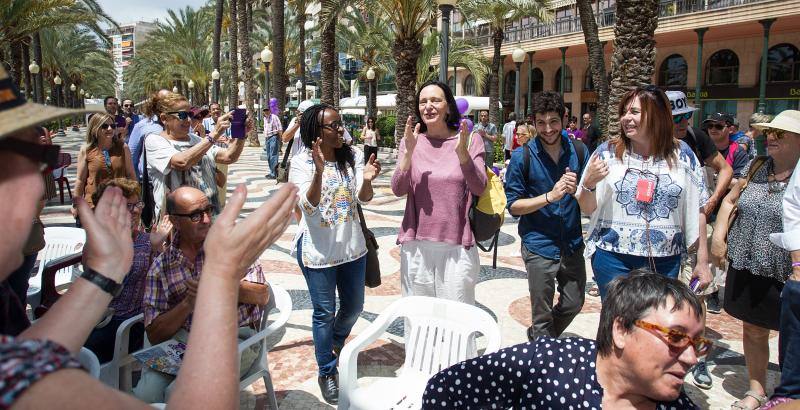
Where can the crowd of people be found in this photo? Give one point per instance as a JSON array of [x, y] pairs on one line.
[[676, 214]]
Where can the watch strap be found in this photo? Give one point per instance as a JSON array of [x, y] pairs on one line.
[[103, 282]]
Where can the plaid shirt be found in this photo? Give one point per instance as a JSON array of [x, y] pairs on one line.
[[165, 286], [272, 126]]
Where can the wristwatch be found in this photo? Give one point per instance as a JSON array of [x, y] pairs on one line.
[[111, 287]]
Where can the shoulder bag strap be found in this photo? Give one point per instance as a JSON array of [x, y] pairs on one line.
[[286, 154]]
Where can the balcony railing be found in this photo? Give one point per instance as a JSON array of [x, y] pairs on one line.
[[605, 18]]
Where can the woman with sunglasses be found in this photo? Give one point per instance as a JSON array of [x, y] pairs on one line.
[[177, 156], [333, 182], [643, 192], [102, 157], [129, 302], [757, 268]]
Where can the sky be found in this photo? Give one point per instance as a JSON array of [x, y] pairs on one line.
[[128, 11]]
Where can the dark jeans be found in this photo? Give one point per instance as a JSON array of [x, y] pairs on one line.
[[272, 146], [569, 275], [608, 265], [369, 151], [329, 327], [789, 336], [101, 341]]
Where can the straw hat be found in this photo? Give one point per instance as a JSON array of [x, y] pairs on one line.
[[17, 114], [788, 120]]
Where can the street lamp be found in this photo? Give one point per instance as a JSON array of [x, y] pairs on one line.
[[445, 6], [175, 89], [72, 87], [518, 55], [190, 84], [215, 87], [34, 69], [370, 91], [299, 86], [57, 82], [266, 58]]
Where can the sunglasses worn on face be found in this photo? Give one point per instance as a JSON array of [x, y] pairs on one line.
[[181, 115], [197, 215], [677, 340], [774, 131], [45, 155], [108, 126], [336, 125], [685, 116]]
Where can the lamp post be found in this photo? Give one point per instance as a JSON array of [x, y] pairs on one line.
[[260, 113], [370, 92], [34, 69], [57, 82], [215, 87], [266, 58], [445, 6], [518, 56], [175, 89], [190, 84], [72, 89], [299, 87]]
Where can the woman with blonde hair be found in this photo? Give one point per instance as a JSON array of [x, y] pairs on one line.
[[177, 156], [102, 158]]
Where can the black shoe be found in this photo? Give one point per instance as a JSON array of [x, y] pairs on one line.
[[329, 386], [712, 303]]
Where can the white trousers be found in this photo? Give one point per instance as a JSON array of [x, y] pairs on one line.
[[439, 270]]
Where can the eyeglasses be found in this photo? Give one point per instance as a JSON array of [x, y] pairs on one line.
[[45, 155], [333, 125], [126, 105], [197, 215], [679, 117], [676, 340], [181, 115], [717, 126], [108, 126], [135, 206], [774, 131]]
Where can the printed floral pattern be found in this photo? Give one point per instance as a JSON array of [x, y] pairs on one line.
[[665, 199]]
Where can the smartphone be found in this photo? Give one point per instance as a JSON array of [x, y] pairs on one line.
[[693, 284], [238, 123]]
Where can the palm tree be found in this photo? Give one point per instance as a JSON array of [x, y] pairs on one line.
[[279, 79], [634, 58], [74, 53], [461, 53], [300, 10], [329, 59], [499, 14], [247, 65], [219, 11], [597, 63], [233, 40]]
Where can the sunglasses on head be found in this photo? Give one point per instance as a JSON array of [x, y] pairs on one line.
[[679, 117], [181, 115], [45, 155], [108, 126]]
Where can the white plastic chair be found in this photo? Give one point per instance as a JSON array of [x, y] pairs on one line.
[[110, 373], [440, 334], [280, 299], [89, 362], [59, 241]]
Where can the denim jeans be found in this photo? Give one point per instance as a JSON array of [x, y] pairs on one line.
[[329, 327], [272, 147], [789, 336], [608, 265]]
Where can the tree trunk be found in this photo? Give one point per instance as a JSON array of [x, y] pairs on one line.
[[278, 65], [494, 78], [215, 45], [233, 38], [26, 61], [634, 58], [597, 63], [247, 68], [301, 23], [372, 86], [329, 60], [406, 51], [37, 55], [337, 83], [16, 62]]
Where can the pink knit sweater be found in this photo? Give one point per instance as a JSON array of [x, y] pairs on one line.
[[437, 188]]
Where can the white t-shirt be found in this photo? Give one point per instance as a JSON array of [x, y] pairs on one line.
[[297, 144], [370, 139], [508, 134], [331, 230], [165, 179]]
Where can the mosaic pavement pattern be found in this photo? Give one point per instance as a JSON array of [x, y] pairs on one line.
[[503, 292]]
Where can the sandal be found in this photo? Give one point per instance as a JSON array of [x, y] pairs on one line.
[[593, 290], [760, 399]]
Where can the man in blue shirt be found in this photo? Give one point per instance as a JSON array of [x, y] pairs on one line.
[[550, 223]]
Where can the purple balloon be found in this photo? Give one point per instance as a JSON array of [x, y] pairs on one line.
[[469, 125], [463, 105], [496, 170]]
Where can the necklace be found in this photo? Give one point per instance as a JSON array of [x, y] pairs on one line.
[[777, 185]]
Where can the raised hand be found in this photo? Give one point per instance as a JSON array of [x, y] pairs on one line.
[[595, 172], [316, 155], [463, 138], [109, 247], [223, 123], [410, 135], [161, 231], [245, 240], [372, 169]]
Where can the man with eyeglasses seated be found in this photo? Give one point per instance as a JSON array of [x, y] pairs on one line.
[[650, 335], [171, 288]]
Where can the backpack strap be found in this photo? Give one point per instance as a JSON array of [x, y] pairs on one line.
[[580, 150], [286, 154]]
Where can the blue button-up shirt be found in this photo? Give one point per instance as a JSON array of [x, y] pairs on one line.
[[555, 227], [136, 141]]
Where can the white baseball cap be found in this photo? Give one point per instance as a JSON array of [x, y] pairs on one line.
[[677, 99]]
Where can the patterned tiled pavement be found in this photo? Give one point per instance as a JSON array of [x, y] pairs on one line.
[[502, 291]]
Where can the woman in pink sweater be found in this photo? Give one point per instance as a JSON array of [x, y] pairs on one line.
[[440, 167]]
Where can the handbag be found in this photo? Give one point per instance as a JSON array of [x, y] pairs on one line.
[[372, 276], [283, 170]]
